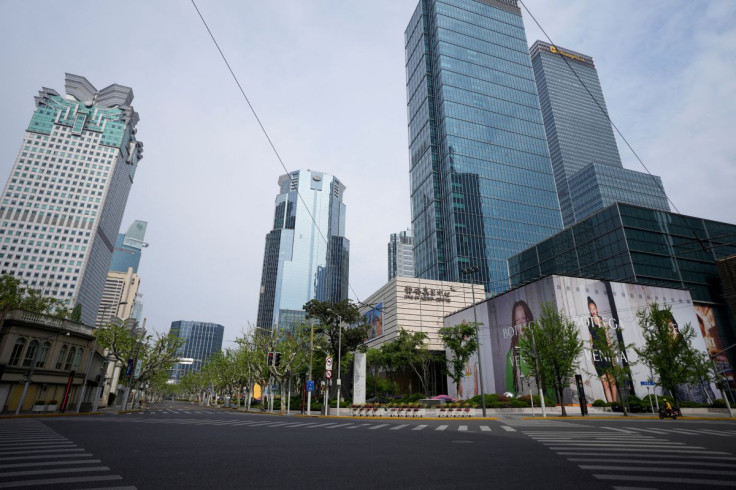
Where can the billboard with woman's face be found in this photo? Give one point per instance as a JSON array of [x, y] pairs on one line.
[[604, 312]]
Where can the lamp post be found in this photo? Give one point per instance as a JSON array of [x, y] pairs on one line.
[[311, 354], [471, 271], [339, 357], [539, 375], [33, 368]]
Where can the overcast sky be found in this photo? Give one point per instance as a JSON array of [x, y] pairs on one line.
[[327, 80]]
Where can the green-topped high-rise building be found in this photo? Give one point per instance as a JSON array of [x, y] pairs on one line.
[[64, 200]]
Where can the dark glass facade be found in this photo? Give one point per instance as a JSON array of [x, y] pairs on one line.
[[482, 187], [587, 166], [201, 340], [635, 244]]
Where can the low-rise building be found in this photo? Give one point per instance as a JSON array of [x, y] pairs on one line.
[[44, 359]]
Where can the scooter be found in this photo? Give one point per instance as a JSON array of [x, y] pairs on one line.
[[667, 412]]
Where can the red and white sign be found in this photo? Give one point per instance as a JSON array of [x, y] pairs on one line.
[[328, 364], [328, 374]]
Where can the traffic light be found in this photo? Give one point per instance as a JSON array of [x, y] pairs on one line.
[[270, 358], [277, 359]]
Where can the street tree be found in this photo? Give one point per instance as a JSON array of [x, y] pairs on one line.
[[340, 327], [157, 353], [668, 350], [15, 296], [462, 342], [557, 343], [612, 360]]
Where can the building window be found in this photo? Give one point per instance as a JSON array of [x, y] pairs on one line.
[[17, 350], [69, 359], [30, 353], [60, 359], [43, 354], [77, 359]]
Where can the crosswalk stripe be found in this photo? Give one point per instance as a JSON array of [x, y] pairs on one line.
[[398, 427], [57, 481], [659, 470], [9, 474], [47, 463], [508, 429], [462, 428], [377, 426], [485, 428], [335, 426], [653, 431], [442, 427], [420, 427], [47, 456]]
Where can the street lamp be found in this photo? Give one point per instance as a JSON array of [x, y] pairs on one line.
[[33, 368], [470, 271]]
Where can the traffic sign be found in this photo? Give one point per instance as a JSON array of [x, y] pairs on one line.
[[328, 364], [328, 374], [647, 383], [310, 385]]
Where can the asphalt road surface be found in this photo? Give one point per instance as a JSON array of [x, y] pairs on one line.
[[179, 445]]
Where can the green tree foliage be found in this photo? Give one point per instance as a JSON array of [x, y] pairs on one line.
[[76, 314], [334, 318], [558, 345], [408, 351], [613, 366], [157, 353], [668, 350], [15, 296], [462, 342]]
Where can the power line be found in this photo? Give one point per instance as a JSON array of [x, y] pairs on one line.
[[263, 129]]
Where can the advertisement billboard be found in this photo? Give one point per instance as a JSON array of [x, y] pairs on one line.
[[374, 318], [600, 310]]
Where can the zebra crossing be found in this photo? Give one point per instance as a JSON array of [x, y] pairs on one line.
[[682, 431], [33, 455], [348, 424], [632, 459]]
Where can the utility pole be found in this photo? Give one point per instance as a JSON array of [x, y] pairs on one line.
[[470, 271], [311, 355]]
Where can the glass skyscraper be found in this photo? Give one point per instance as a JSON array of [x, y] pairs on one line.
[[128, 248], [586, 162], [201, 340], [401, 254], [482, 187], [306, 255], [64, 201]]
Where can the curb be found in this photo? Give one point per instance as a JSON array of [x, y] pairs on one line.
[[621, 417], [350, 417], [47, 415]]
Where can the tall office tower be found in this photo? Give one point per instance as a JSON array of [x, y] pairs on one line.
[[401, 254], [482, 187], [120, 296], [307, 254], [201, 340], [128, 246], [587, 166], [63, 203]]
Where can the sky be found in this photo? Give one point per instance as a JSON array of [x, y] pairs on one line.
[[327, 80]]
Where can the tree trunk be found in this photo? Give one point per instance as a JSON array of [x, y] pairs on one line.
[[621, 397], [562, 402]]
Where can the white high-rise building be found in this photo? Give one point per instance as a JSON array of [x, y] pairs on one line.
[[64, 200], [401, 254]]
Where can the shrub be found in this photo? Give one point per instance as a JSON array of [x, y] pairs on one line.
[[720, 403], [54, 402], [599, 403], [39, 402]]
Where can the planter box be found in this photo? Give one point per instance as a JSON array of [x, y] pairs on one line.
[[51, 408], [39, 408]]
